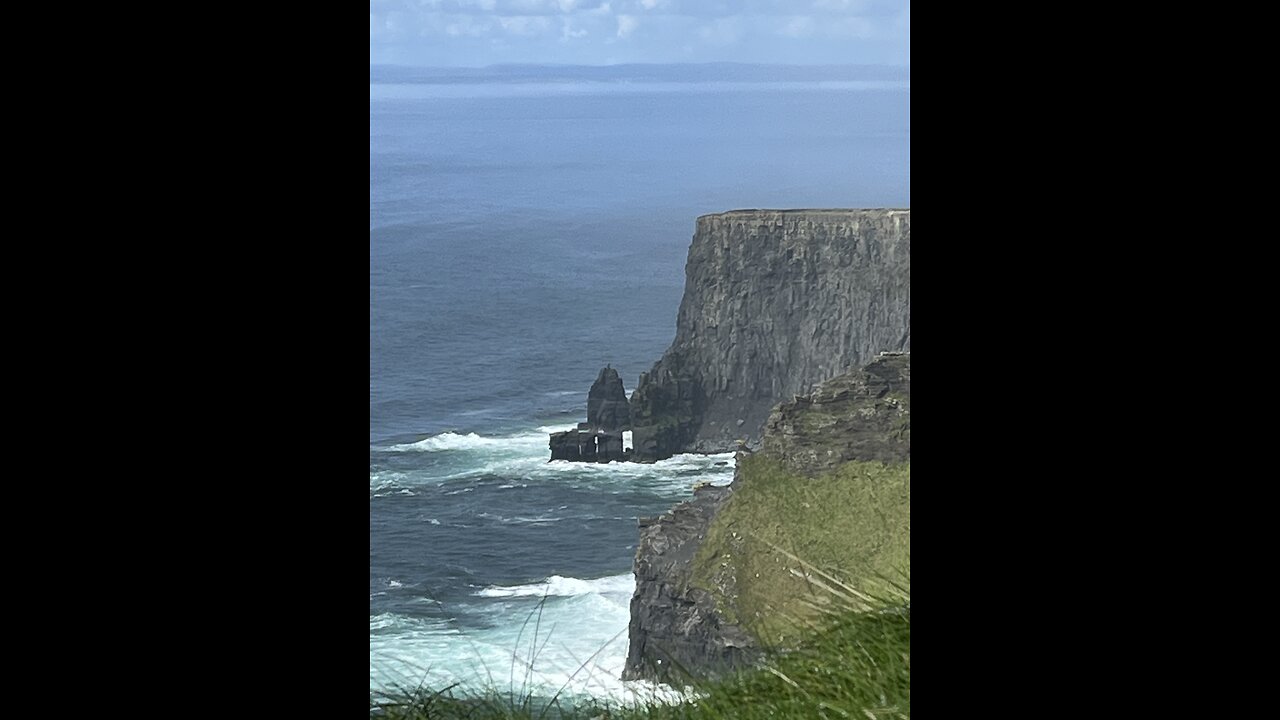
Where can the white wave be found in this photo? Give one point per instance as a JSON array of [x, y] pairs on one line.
[[522, 458], [557, 585], [533, 521], [581, 641], [541, 519], [385, 481], [394, 584], [447, 441], [524, 441]]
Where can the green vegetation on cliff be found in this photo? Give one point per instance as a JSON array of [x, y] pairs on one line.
[[787, 549], [858, 666]]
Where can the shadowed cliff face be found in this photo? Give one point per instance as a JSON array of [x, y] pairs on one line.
[[774, 303], [831, 481]]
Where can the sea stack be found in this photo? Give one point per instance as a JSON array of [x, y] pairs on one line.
[[600, 438]]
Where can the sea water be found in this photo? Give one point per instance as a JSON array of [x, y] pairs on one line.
[[522, 235]]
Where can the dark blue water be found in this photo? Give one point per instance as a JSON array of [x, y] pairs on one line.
[[522, 236]]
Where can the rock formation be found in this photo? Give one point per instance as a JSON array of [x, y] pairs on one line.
[[864, 415], [673, 623], [775, 301], [699, 602], [607, 406], [600, 439]]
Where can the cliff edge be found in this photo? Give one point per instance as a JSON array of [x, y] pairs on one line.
[[775, 302], [754, 564]]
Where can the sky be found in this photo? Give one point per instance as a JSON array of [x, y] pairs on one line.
[[477, 33]]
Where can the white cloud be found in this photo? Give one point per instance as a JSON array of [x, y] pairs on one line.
[[569, 32], [651, 4], [627, 24], [525, 25]]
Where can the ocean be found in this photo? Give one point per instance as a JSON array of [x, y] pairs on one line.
[[522, 234]]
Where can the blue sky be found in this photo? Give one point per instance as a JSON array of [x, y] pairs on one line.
[[476, 33]]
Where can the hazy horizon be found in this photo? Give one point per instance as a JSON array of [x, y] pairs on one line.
[[482, 33]]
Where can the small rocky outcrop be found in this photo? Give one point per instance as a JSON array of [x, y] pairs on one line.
[[599, 439]]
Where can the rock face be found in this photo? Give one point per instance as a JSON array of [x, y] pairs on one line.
[[673, 624], [864, 415], [677, 615], [775, 301], [607, 406]]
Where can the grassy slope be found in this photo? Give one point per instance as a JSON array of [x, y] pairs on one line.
[[850, 525]]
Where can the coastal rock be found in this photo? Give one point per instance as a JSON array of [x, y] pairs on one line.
[[607, 406], [697, 574], [775, 302], [600, 439], [673, 624], [864, 415]]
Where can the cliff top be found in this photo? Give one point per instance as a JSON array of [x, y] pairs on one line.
[[805, 211]]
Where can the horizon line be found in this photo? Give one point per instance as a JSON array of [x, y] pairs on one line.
[[623, 64]]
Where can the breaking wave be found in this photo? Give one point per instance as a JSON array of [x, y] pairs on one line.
[[557, 585]]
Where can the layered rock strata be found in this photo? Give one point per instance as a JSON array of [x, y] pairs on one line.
[[775, 301], [675, 625]]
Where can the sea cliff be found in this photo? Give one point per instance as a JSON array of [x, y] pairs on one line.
[[818, 515], [775, 302]]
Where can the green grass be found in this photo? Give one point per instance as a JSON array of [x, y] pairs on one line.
[[857, 665], [852, 522]]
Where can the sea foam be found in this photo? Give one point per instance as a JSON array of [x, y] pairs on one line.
[[557, 585], [578, 646]]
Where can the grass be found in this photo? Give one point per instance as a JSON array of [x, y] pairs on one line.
[[852, 664], [852, 522]]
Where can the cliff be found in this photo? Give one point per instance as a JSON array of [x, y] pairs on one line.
[[824, 503], [775, 301]]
